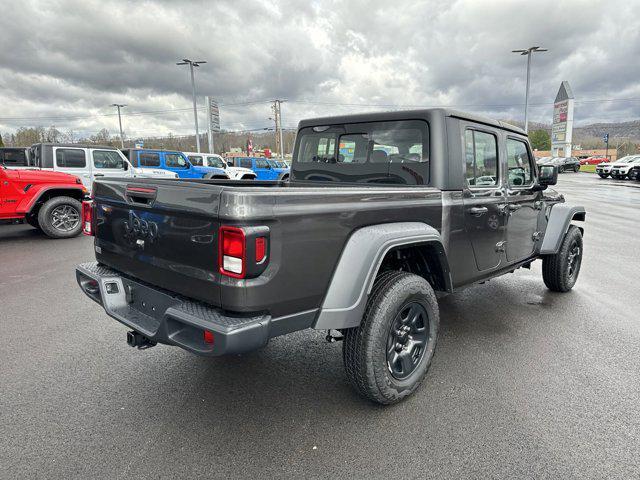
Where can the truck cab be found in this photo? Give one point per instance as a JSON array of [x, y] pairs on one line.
[[173, 161]]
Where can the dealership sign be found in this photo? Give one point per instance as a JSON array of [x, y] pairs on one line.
[[561, 131]]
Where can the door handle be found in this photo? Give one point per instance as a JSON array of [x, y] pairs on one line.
[[98, 174], [478, 211]]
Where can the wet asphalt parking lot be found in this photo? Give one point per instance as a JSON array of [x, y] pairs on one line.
[[524, 383]]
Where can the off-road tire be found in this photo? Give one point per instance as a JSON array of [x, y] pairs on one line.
[[555, 268], [602, 176], [365, 347], [45, 217]]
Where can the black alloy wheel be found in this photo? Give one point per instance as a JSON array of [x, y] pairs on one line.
[[406, 341]]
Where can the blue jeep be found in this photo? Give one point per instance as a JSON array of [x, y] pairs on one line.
[[173, 161], [265, 168]]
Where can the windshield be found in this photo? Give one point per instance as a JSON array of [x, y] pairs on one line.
[[626, 159]]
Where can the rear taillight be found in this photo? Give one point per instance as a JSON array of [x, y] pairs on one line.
[[208, 337], [232, 255], [87, 218]]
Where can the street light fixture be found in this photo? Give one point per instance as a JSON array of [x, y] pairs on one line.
[[528, 53], [191, 63], [119, 106]]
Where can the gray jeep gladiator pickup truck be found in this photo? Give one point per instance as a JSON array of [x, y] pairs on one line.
[[383, 213]]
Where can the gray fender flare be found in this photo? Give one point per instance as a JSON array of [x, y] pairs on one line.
[[353, 278], [558, 224]]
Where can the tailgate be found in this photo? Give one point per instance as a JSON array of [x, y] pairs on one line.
[[163, 232]]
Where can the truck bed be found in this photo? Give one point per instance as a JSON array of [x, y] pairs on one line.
[[165, 233]]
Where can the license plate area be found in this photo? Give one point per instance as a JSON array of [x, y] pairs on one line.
[[144, 307]]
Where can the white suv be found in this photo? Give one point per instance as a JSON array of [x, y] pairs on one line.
[[621, 170], [606, 169], [214, 160], [89, 162]]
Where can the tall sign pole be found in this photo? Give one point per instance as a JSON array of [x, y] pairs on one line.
[[213, 120]]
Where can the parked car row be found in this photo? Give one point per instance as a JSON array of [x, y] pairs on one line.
[[91, 161], [621, 168], [564, 164]]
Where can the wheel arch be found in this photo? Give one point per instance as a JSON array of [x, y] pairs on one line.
[[558, 224], [371, 250], [32, 206]]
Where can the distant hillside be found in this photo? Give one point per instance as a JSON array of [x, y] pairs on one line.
[[591, 135]]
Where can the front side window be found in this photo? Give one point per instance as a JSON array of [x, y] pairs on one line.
[[245, 162], [175, 160], [215, 162], [71, 158], [261, 163], [107, 159], [518, 163], [149, 159], [196, 160], [481, 159], [393, 152]]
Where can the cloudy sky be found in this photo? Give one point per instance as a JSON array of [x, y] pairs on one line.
[[64, 62]]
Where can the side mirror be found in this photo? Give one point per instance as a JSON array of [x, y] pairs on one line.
[[547, 175], [126, 165]]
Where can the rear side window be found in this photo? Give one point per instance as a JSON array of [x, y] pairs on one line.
[[481, 159], [175, 160], [14, 157], [71, 158], [395, 152], [107, 159], [519, 163], [149, 159], [195, 160]]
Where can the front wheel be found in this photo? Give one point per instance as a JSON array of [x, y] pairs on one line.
[[603, 175], [59, 217], [388, 355], [560, 271], [561, 170], [576, 168]]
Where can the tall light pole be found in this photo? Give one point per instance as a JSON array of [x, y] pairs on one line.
[[186, 61], [119, 106], [528, 53]]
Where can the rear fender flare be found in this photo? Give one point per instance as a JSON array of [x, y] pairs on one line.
[[558, 223], [353, 278]]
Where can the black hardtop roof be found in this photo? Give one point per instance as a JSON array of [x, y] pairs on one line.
[[425, 113], [76, 145]]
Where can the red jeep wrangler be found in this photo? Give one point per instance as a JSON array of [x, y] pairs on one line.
[[48, 201]]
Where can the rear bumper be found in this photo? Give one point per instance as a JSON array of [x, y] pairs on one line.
[[164, 317]]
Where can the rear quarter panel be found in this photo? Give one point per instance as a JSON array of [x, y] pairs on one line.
[[309, 227]]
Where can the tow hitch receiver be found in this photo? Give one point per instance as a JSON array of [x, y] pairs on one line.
[[135, 339]]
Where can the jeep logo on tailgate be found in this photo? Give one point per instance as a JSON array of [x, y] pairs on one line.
[[140, 230]]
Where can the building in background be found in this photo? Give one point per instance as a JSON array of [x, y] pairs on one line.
[[562, 129]]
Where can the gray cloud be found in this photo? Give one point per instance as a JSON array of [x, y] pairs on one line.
[[70, 59]]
